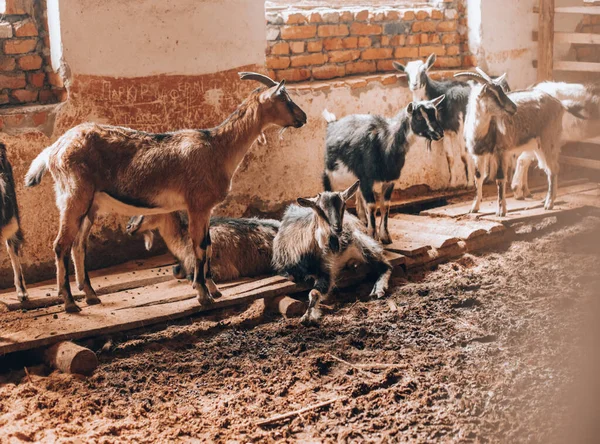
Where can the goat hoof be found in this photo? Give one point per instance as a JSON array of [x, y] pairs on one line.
[[377, 294], [216, 294], [308, 320], [501, 213], [72, 308], [474, 210], [385, 238], [93, 300], [549, 206]]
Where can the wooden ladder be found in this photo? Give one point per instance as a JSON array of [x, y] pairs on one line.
[[546, 65]]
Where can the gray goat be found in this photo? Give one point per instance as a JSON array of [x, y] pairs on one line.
[[317, 239], [497, 124]]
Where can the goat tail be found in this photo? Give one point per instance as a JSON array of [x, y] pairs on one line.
[[328, 116], [38, 168]]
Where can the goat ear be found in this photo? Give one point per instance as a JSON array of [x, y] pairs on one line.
[[436, 102], [500, 80], [348, 193], [399, 66], [410, 108], [279, 87], [308, 203], [430, 61], [148, 239]]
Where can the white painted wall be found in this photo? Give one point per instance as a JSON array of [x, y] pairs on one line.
[[147, 37]]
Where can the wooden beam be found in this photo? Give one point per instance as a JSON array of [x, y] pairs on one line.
[[577, 37], [593, 10], [546, 40], [580, 162], [577, 66]]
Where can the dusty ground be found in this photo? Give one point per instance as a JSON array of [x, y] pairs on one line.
[[495, 347]]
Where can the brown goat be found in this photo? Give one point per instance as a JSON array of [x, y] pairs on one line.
[[110, 169]]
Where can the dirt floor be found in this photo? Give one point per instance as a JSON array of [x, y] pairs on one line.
[[495, 347]]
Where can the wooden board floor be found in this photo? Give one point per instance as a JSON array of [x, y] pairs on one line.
[[142, 293]]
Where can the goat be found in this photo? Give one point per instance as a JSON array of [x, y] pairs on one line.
[[10, 224], [451, 111], [102, 168], [373, 149], [241, 247], [317, 240], [499, 123], [581, 123]]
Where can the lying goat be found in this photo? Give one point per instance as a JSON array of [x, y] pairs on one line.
[[10, 229], [317, 239], [498, 124], [103, 168], [584, 101], [373, 149], [451, 112], [241, 247]]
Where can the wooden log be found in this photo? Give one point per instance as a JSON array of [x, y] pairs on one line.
[[287, 306], [546, 40], [71, 358]]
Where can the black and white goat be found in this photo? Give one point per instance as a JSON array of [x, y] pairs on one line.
[[317, 239], [373, 149], [584, 99], [498, 124], [241, 247], [451, 112], [10, 229]]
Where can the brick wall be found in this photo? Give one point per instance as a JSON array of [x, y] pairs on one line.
[[26, 75], [328, 43]]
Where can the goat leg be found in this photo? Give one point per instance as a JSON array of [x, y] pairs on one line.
[[198, 228], [210, 283], [313, 314], [381, 285], [386, 191], [78, 253], [501, 184], [479, 169], [13, 245], [519, 183]]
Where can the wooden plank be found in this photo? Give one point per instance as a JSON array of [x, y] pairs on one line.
[[577, 37], [576, 66], [533, 214], [546, 40], [587, 198], [591, 10], [462, 229], [580, 162]]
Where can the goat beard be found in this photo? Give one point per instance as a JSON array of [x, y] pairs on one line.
[[429, 144], [281, 131]]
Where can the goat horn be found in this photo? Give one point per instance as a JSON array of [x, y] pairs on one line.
[[265, 80], [483, 74], [472, 76]]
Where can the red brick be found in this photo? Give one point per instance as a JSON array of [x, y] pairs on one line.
[[364, 42], [377, 16], [26, 28], [356, 83], [297, 47], [46, 96], [425, 51], [434, 38], [331, 17], [448, 39], [385, 40], [388, 79], [406, 53], [360, 67], [12, 81], [61, 94], [365, 29], [24, 95], [298, 32], [446, 26], [14, 7], [424, 38], [310, 59], [333, 30], [469, 61], [315, 17], [452, 50], [448, 62], [278, 62], [350, 42], [392, 16], [55, 79], [39, 118], [422, 15], [343, 56], [385, 65], [36, 79], [423, 26], [347, 16], [376, 53], [414, 39], [328, 72], [3, 100], [408, 16], [30, 62], [22, 46], [7, 64], [316, 46], [280, 48], [295, 18], [436, 14], [362, 15], [293, 75], [338, 43], [398, 40]]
